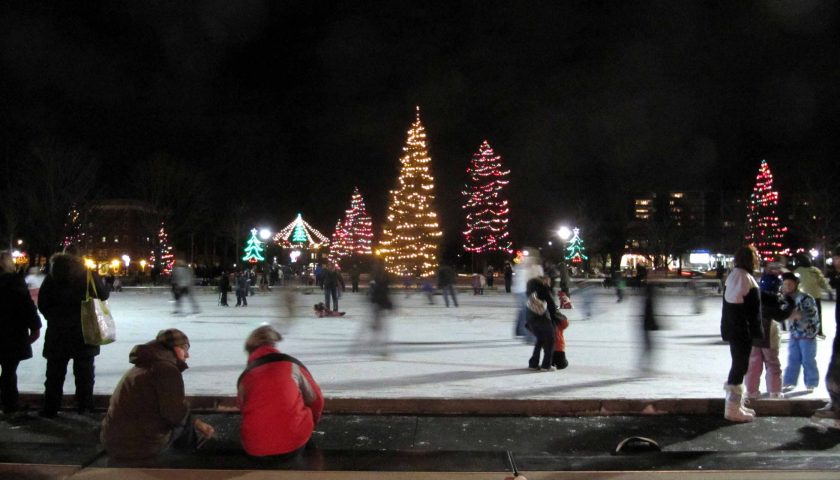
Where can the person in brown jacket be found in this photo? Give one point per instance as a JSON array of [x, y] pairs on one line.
[[148, 412]]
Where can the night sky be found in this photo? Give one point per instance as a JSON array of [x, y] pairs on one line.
[[285, 106]]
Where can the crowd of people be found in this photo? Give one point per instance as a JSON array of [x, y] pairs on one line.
[[754, 313], [148, 412]]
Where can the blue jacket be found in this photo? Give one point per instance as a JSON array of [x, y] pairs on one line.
[[809, 324]]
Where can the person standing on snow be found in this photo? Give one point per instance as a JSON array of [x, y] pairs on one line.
[[740, 324]]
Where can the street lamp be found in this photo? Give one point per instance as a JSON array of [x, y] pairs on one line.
[[265, 234], [565, 233]]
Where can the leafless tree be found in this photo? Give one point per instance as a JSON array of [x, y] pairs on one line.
[[60, 176]]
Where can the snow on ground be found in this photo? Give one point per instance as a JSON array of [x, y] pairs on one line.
[[436, 352]]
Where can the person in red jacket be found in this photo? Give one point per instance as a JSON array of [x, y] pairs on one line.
[[279, 400]]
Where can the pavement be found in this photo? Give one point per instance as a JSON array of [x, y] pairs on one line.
[[453, 398]]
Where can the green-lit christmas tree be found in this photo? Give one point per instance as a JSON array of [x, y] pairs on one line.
[[253, 249], [575, 249]]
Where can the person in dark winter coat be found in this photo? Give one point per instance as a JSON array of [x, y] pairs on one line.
[[541, 319], [508, 277], [148, 411], [354, 278], [224, 288], [740, 324], [446, 282], [279, 399], [832, 376], [20, 326], [242, 286], [60, 301], [331, 280]]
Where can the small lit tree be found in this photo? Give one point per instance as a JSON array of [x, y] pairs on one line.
[[253, 249], [575, 249]]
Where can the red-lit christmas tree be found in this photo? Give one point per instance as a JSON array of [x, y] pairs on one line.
[[763, 228], [338, 242], [486, 206], [359, 226], [354, 235], [162, 256]]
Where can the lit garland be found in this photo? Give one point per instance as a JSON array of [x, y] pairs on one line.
[[253, 249], [487, 210], [411, 234], [298, 233], [763, 228], [575, 248], [353, 236], [164, 249]]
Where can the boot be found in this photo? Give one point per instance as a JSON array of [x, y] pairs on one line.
[[744, 400], [733, 411]]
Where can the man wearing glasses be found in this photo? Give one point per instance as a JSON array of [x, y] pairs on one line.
[[148, 413]]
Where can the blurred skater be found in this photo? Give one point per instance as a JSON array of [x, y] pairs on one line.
[[380, 298], [649, 324], [526, 270]]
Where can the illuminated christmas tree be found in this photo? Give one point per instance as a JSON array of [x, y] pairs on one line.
[[300, 234], [353, 235], [72, 228], [359, 226], [487, 209], [338, 242], [162, 257], [253, 249], [575, 248], [763, 228], [411, 234]]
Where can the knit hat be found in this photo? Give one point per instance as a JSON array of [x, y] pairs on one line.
[[172, 337]]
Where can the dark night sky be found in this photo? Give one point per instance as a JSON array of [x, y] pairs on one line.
[[288, 105]]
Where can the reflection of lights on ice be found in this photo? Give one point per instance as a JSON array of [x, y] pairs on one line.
[[294, 255]]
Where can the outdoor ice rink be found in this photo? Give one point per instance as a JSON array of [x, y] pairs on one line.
[[437, 352]]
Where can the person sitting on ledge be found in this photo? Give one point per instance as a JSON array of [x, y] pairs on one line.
[[280, 401], [148, 413]]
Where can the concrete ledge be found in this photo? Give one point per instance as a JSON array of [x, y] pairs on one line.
[[505, 407]]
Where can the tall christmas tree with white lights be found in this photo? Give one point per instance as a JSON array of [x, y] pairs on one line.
[[763, 228], [411, 234], [486, 205]]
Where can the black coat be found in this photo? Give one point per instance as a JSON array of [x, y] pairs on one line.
[[18, 317], [332, 279], [741, 322], [544, 293], [60, 301]]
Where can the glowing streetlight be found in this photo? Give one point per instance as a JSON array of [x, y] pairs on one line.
[[565, 233], [126, 260], [265, 234]]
